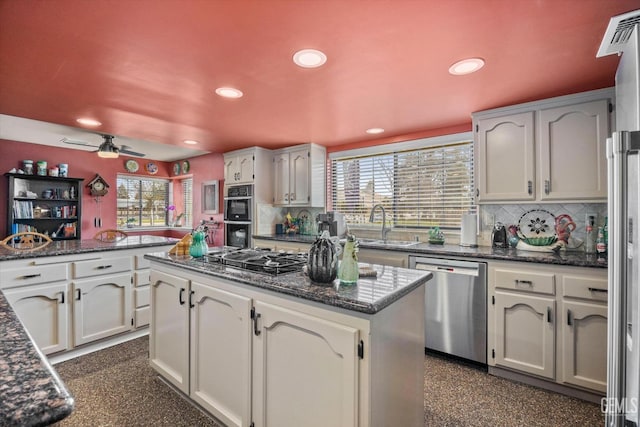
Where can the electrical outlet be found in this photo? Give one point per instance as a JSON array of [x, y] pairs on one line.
[[591, 218]]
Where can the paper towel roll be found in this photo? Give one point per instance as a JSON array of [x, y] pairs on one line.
[[469, 231]]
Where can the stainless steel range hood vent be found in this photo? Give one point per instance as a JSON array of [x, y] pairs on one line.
[[618, 33]]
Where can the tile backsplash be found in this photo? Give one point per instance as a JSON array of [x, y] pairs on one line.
[[510, 214]]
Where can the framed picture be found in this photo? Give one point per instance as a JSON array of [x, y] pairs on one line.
[[210, 197]]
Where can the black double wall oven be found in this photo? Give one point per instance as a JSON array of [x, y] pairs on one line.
[[238, 216]]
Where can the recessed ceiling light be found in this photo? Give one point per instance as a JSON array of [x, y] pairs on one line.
[[466, 66], [309, 58], [374, 131], [229, 92], [190, 142], [88, 122]]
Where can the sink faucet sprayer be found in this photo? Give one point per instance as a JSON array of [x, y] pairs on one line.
[[384, 230]]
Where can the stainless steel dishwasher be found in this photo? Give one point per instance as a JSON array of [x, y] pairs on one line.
[[455, 307]]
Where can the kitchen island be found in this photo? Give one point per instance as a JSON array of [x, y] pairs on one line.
[[282, 350]]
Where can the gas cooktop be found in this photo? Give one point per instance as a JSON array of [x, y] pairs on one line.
[[260, 261]]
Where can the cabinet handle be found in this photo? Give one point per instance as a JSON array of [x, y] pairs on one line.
[[286, 197], [548, 314], [530, 187], [79, 295], [569, 318], [256, 330], [598, 290], [62, 297], [180, 296], [547, 186], [524, 282], [190, 297], [293, 196], [31, 276], [477, 192], [103, 267]]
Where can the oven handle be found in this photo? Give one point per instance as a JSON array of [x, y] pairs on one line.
[[238, 222]]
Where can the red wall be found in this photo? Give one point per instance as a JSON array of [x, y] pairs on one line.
[[84, 164]]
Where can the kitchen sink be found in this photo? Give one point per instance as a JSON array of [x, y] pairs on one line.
[[396, 243]]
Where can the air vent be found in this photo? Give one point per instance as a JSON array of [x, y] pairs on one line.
[[618, 33]]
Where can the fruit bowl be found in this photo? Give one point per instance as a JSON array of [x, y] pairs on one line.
[[540, 241]]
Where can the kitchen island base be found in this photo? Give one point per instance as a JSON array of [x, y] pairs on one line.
[[248, 355]]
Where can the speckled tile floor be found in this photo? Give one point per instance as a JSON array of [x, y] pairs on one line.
[[116, 387]]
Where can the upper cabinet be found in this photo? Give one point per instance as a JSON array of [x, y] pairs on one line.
[[299, 176], [239, 167], [545, 150], [250, 166]]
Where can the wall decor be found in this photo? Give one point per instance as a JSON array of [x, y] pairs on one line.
[[131, 166], [185, 166], [210, 197], [152, 168], [176, 168]]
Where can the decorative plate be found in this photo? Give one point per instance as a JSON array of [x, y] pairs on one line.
[[185, 166], [537, 223], [131, 166], [152, 168], [176, 168]]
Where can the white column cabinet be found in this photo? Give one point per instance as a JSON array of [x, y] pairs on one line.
[[525, 333], [44, 311], [506, 158], [307, 360], [299, 176], [552, 149]]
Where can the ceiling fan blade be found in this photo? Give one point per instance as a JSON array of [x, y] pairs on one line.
[[131, 153], [76, 142]]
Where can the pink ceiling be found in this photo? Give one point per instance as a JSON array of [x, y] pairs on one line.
[[147, 69]]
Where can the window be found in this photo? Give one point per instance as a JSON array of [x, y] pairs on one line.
[[418, 187], [187, 200], [142, 202]]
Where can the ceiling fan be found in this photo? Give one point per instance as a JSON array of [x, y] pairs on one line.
[[107, 149]]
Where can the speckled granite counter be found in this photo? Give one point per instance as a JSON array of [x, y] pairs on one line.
[[369, 296], [70, 247], [32, 393], [571, 258]]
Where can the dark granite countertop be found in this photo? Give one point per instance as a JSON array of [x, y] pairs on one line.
[[32, 393], [569, 258], [369, 296], [71, 247]]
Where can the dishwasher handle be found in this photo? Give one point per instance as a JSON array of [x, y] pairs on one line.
[[447, 269]]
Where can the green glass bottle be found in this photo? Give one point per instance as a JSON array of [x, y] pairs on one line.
[[348, 271], [198, 246]]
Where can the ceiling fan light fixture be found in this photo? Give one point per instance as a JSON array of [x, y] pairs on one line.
[[88, 122], [466, 66], [229, 92], [309, 58], [107, 150]]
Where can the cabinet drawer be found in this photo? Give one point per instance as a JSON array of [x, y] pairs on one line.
[[34, 275], [538, 282], [592, 288], [142, 278], [141, 296], [142, 316], [100, 267], [141, 262]]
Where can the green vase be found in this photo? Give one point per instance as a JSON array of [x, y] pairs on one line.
[[198, 246], [348, 271]]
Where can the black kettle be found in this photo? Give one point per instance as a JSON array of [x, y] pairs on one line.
[[499, 236]]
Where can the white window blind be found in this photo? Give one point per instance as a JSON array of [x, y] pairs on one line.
[[142, 202], [187, 197], [420, 188]]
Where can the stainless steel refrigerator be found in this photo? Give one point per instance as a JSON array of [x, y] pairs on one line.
[[623, 347]]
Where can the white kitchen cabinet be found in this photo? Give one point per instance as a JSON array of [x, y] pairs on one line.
[[238, 168], [525, 333], [506, 158], [220, 353], [299, 176], [307, 360], [553, 149], [573, 161], [169, 328], [141, 288], [44, 311], [101, 307]]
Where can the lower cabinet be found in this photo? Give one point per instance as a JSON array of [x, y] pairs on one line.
[[44, 311]]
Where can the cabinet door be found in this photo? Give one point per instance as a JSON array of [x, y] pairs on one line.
[[307, 360], [169, 328], [281, 179], [231, 170], [101, 307], [44, 312], [524, 333], [299, 177], [573, 162], [584, 345], [245, 168], [506, 158], [221, 353]]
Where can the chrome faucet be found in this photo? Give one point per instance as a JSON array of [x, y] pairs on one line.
[[384, 230]]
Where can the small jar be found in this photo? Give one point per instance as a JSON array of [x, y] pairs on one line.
[[63, 170], [53, 171], [28, 167], [42, 167]]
